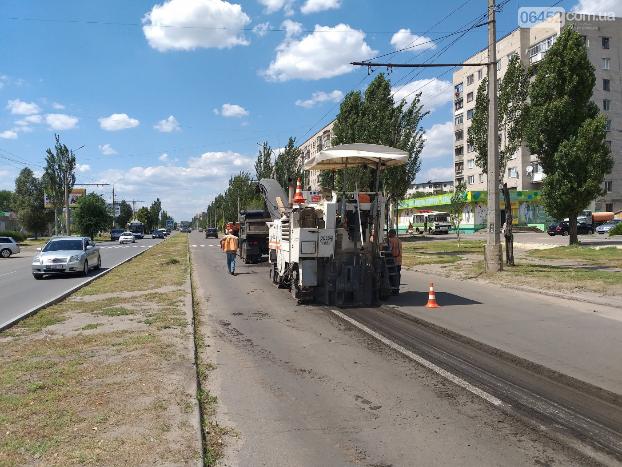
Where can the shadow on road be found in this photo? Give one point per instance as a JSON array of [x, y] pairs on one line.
[[73, 276], [412, 298]]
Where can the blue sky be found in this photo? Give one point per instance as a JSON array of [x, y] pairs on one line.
[[170, 98]]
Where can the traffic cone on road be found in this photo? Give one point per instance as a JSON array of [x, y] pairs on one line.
[[298, 196], [432, 298]]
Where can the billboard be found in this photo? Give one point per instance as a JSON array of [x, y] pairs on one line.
[[75, 194]]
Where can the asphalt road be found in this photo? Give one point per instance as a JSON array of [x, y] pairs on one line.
[[20, 292], [302, 387]]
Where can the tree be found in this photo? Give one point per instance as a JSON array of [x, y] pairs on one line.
[[164, 216], [91, 215], [7, 200], [263, 164], [564, 129], [59, 176], [125, 214], [154, 214], [287, 167], [143, 215], [456, 208], [29, 202]]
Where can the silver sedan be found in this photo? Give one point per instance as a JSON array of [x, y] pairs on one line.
[[66, 255]]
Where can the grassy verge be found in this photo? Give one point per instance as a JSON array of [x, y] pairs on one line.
[[102, 377], [418, 251], [604, 256]]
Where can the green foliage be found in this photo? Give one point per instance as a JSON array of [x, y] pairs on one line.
[[59, 174], [125, 215], [164, 216], [143, 215], [287, 166], [456, 208], [91, 215], [263, 164], [154, 214], [617, 230], [17, 236], [28, 201], [7, 200], [224, 208]]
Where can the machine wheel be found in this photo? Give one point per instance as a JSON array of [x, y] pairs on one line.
[[5, 253], [245, 254], [273, 274], [37, 276]]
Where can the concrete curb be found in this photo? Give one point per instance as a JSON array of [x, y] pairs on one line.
[[67, 293]]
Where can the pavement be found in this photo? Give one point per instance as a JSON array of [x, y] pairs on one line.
[[20, 292], [301, 387]]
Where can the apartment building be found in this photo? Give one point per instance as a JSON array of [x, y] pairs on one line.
[[319, 141], [604, 43], [431, 188]]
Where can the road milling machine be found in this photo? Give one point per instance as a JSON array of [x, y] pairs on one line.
[[330, 247]]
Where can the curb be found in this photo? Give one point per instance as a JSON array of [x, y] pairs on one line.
[[65, 294]]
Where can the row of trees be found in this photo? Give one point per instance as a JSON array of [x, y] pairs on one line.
[[549, 108]]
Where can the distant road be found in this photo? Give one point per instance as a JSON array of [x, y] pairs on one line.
[[20, 292]]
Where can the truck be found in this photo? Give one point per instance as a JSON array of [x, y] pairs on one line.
[[330, 248], [253, 235]]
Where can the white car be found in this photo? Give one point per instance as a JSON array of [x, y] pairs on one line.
[[127, 237], [8, 247]]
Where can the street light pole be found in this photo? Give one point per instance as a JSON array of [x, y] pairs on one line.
[[492, 250]]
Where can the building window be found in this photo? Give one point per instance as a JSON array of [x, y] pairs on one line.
[[609, 207], [458, 89], [470, 147], [608, 125], [459, 104], [459, 135], [606, 63], [606, 85], [459, 151], [513, 156], [471, 164], [499, 65], [469, 97], [606, 104], [481, 178], [586, 41], [608, 144], [609, 186], [512, 172], [469, 114], [605, 42], [470, 79], [480, 74], [458, 119], [471, 179], [535, 53]]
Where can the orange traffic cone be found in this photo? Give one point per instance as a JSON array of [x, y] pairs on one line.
[[432, 298], [298, 197]]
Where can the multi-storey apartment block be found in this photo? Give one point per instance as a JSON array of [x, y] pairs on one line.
[[319, 141], [604, 43]]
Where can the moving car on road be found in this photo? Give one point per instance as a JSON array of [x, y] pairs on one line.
[[66, 255], [157, 233], [211, 232], [8, 247], [115, 234], [127, 237], [563, 228], [606, 227]]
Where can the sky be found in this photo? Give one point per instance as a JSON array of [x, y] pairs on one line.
[[170, 98]]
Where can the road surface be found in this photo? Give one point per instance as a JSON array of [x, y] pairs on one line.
[[20, 292], [302, 387]]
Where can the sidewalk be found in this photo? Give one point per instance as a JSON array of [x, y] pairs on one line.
[[581, 340]]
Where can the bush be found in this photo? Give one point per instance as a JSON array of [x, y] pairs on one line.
[[18, 236], [617, 230]]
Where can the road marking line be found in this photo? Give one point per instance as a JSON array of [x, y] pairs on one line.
[[7, 273], [202, 246], [422, 361]]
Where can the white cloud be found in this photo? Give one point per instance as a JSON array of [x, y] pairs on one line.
[[29, 120], [439, 140], [272, 6], [320, 97], [313, 6], [405, 39], [436, 174], [167, 125], [61, 121], [116, 122], [57, 106], [192, 24], [292, 28], [8, 134], [602, 7], [434, 92], [163, 157], [261, 29], [83, 168], [19, 107], [325, 53], [107, 150], [232, 110], [183, 188], [4, 79]]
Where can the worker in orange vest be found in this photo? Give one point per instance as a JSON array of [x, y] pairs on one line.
[[229, 244], [395, 245]]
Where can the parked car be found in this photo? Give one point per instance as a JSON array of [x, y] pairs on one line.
[[8, 247], [66, 255], [115, 234], [200, 229], [157, 234], [607, 226], [211, 232], [127, 237], [563, 228]]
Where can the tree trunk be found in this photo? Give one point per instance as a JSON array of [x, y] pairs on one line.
[[572, 221], [509, 236]]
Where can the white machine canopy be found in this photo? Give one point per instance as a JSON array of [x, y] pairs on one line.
[[354, 155]]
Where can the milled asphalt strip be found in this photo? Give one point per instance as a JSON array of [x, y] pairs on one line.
[[422, 361], [66, 293]]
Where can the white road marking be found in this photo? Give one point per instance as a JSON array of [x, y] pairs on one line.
[[202, 246], [422, 361], [8, 273], [193, 246]]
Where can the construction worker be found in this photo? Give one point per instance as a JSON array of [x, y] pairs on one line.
[[229, 244], [395, 245]]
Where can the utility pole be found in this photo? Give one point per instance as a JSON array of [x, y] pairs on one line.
[[492, 250], [114, 208], [66, 187]]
